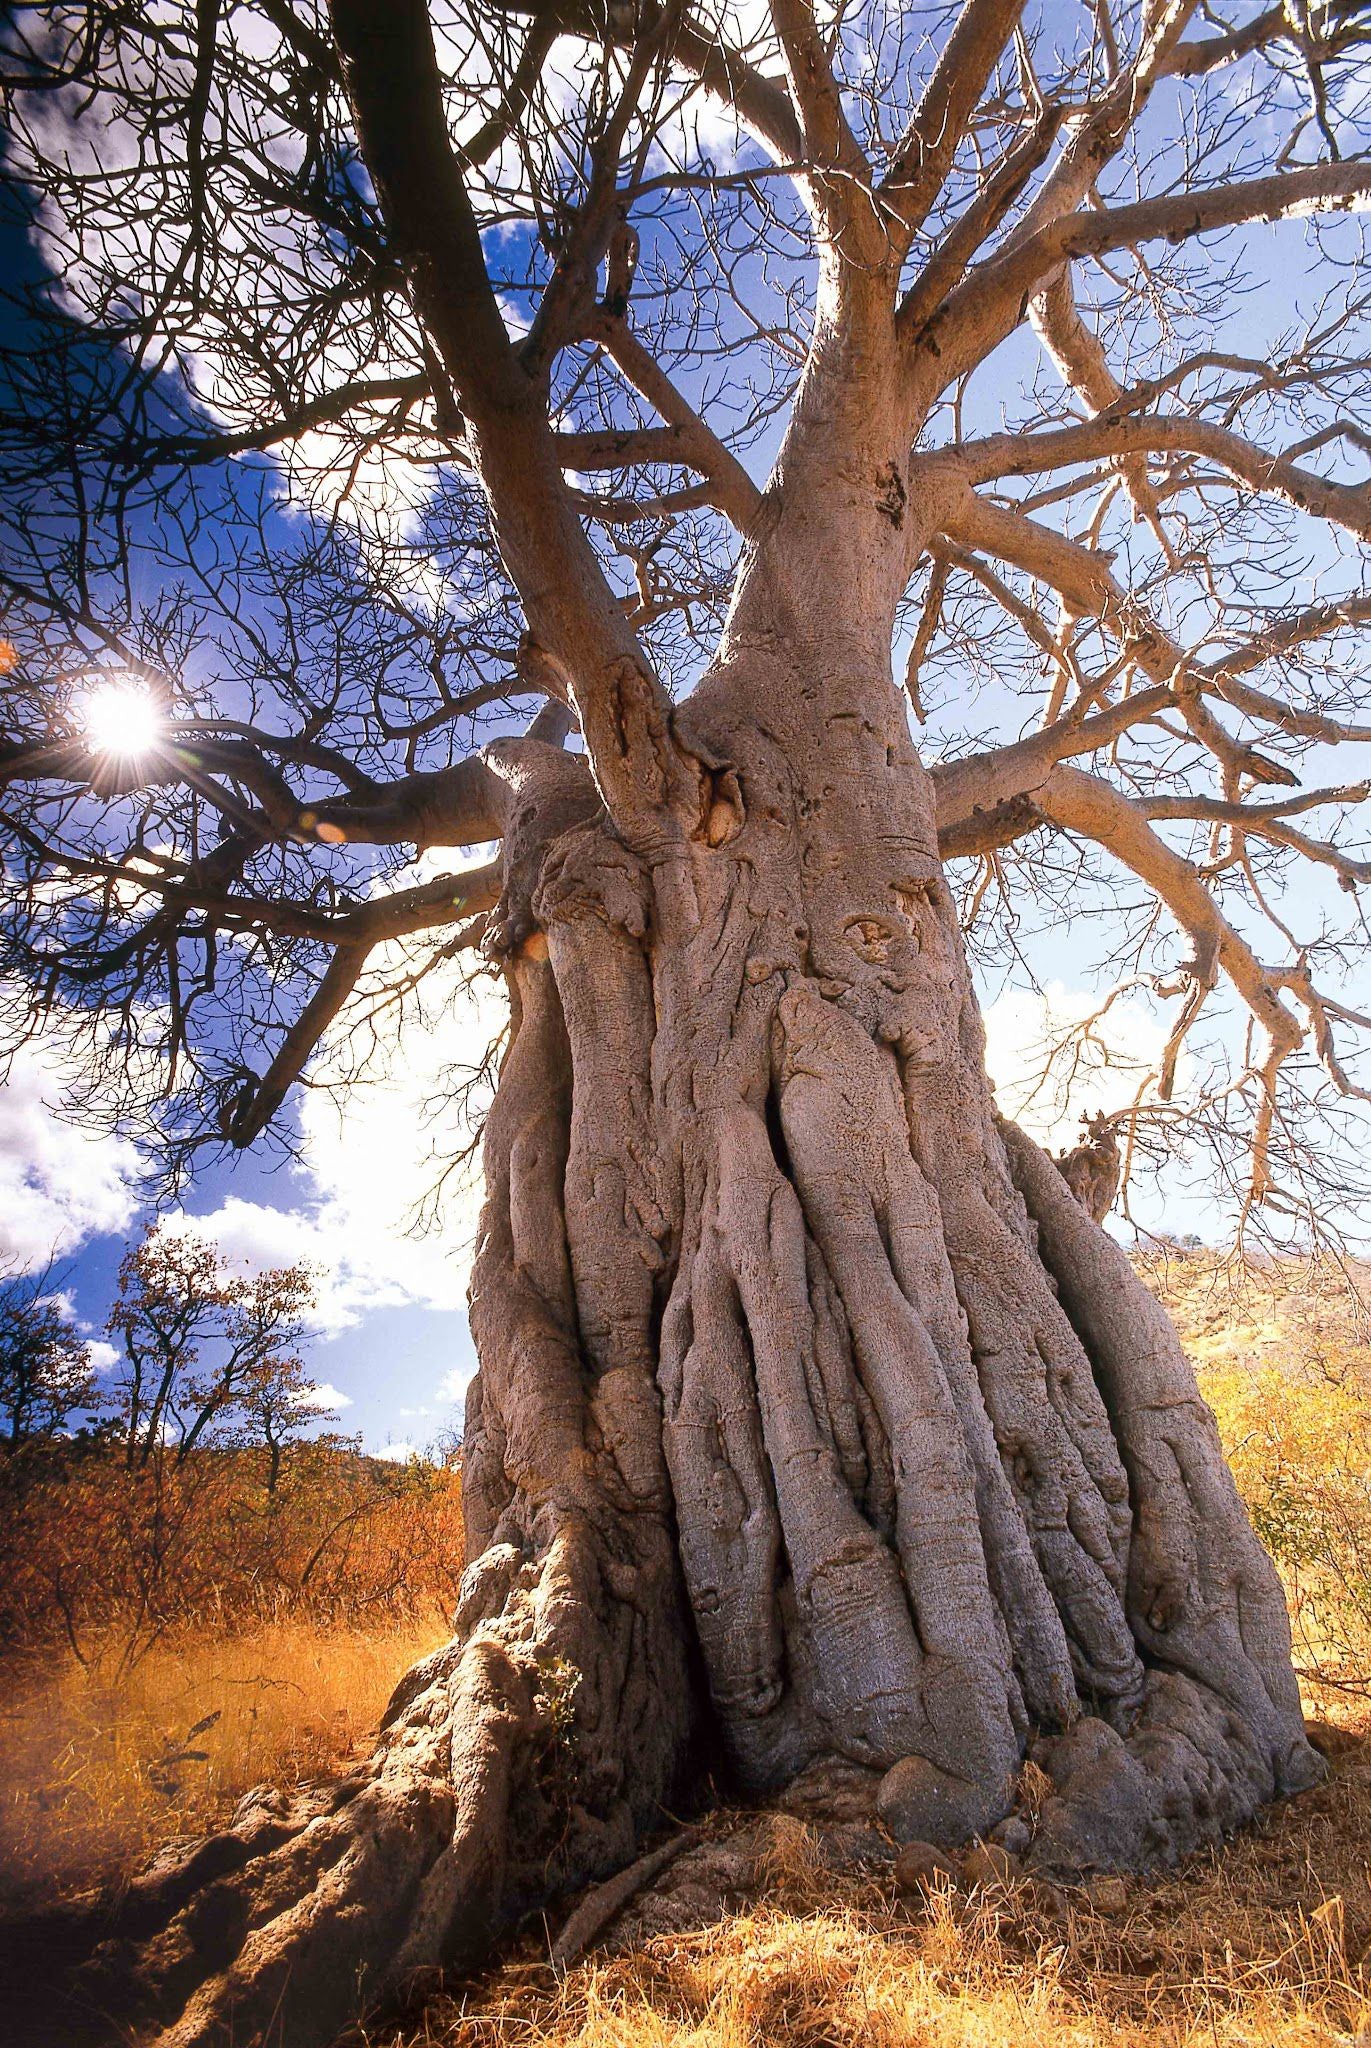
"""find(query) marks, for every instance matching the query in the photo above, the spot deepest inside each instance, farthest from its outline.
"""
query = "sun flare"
(121, 719)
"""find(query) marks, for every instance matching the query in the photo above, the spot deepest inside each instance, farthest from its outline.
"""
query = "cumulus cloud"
(1052, 1065)
(321, 1396)
(396, 1454)
(60, 1182)
(367, 1163)
(452, 1387)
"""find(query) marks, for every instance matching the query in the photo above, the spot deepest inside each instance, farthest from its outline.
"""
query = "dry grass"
(1259, 1946)
(97, 1775)
(755, 1939)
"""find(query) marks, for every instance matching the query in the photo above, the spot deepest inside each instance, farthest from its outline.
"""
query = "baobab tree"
(654, 373)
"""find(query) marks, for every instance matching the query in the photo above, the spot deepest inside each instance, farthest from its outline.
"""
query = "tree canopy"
(373, 369)
(45, 1364)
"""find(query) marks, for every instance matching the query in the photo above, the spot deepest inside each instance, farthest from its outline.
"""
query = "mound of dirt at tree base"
(793, 1923)
(824, 1842)
(1287, 1900)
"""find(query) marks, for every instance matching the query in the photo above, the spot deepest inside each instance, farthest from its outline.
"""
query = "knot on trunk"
(550, 792)
(587, 872)
(1091, 1169)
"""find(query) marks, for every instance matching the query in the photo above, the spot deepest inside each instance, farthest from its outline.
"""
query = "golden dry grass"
(96, 1775)
(1257, 1946)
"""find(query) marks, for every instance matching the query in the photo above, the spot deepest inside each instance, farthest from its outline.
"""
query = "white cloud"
(352, 1275)
(60, 1182)
(368, 1163)
(452, 1387)
(396, 1454)
(1098, 1068)
(103, 1357)
(322, 1395)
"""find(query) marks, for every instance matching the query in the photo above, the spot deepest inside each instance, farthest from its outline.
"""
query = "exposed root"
(600, 1905)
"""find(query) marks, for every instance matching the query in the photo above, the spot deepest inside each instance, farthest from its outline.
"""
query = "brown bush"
(1282, 1353)
(104, 1559)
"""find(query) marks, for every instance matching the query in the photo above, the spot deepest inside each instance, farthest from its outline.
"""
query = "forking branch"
(593, 439)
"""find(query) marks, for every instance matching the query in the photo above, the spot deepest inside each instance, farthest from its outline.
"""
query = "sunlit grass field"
(96, 1772)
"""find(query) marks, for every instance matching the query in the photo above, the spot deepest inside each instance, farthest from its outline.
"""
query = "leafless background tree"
(651, 378)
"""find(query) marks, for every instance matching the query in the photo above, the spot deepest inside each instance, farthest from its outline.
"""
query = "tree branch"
(1084, 367)
(1084, 805)
(457, 806)
(999, 455)
(257, 1103)
(733, 490)
(649, 784)
(1275, 24)
(947, 266)
(979, 785)
(1085, 580)
(836, 177)
(762, 103)
(1007, 281)
(924, 157)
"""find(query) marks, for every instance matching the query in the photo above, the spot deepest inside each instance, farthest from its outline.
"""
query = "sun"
(121, 719)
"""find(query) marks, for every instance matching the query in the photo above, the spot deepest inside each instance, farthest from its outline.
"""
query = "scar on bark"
(891, 495)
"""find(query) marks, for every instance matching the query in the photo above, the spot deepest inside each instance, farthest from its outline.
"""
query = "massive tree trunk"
(816, 1419)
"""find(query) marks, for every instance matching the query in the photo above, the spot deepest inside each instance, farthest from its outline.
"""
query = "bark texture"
(816, 1419)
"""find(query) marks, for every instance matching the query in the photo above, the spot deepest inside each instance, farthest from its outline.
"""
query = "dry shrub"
(1282, 1352)
(97, 1774)
(1033, 1789)
(176, 1637)
(788, 1866)
(103, 1559)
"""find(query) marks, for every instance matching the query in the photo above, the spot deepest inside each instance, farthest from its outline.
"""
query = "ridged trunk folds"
(815, 1421)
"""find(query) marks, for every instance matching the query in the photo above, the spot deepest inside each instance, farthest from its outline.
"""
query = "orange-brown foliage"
(177, 1634)
(105, 1559)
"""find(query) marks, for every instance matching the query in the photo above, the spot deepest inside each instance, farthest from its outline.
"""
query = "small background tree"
(45, 1365)
(207, 1353)
(207, 1492)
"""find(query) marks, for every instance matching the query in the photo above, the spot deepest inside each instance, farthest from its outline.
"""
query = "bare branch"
(1028, 454)
(762, 103)
(920, 165)
(388, 57)
(1084, 578)
(1007, 281)
(1083, 804)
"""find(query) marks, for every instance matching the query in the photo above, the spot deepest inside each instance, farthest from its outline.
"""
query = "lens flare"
(121, 719)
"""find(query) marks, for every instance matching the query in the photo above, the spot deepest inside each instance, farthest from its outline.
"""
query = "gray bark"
(816, 1419)
(818, 1427)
